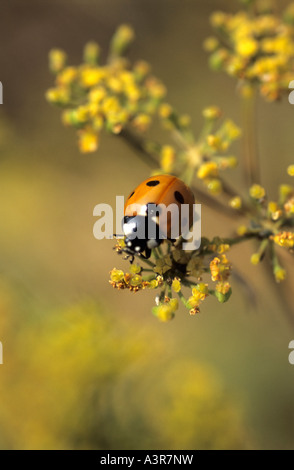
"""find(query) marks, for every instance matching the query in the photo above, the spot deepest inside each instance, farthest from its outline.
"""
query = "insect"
(156, 191)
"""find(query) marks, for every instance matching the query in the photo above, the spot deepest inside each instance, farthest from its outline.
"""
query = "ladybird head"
(135, 229)
(132, 226)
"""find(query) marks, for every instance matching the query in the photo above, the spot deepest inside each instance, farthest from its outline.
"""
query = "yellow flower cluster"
(273, 220)
(133, 280)
(206, 156)
(220, 270)
(217, 246)
(172, 270)
(104, 96)
(255, 49)
(272, 211)
(213, 148)
(284, 239)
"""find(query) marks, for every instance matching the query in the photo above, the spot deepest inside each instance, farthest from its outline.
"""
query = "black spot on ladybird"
(152, 183)
(179, 197)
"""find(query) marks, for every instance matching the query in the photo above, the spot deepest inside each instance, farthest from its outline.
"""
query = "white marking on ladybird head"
(129, 228)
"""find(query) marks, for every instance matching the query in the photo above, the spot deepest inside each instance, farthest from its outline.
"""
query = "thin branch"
(251, 159)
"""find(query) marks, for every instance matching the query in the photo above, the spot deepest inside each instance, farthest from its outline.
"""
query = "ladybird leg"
(129, 255)
(148, 253)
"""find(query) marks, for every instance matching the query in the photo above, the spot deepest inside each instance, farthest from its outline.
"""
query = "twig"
(251, 161)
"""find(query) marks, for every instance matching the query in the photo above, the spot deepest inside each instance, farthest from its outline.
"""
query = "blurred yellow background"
(86, 366)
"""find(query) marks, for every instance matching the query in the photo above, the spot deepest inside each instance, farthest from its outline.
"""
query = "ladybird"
(154, 191)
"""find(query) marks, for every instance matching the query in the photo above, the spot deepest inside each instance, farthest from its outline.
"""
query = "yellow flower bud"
(141, 69)
(163, 312)
(280, 274)
(88, 140)
(214, 186)
(230, 129)
(223, 248)
(174, 304)
(91, 53)
(285, 192)
(257, 192)
(215, 142)
(135, 269)
(223, 287)
(122, 38)
(142, 122)
(67, 76)
(247, 47)
(289, 206)
(116, 275)
(218, 18)
(136, 280)
(167, 158)
(255, 259)
(97, 94)
(184, 120)
(57, 60)
(211, 44)
(274, 210)
(202, 288)
(241, 230)
(59, 95)
(115, 84)
(153, 284)
(97, 123)
(236, 202)
(211, 113)
(290, 170)
(209, 169)
(176, 285)
(155, 88)
(272, 207)
(82, 113)
(91, 76)
(193, 302)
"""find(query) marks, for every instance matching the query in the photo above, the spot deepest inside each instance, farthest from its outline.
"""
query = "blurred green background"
(86, 366)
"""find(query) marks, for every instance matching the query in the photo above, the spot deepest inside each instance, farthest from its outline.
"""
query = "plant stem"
(182, 298)
(243, 238)
(251, 161)
(152, 265)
